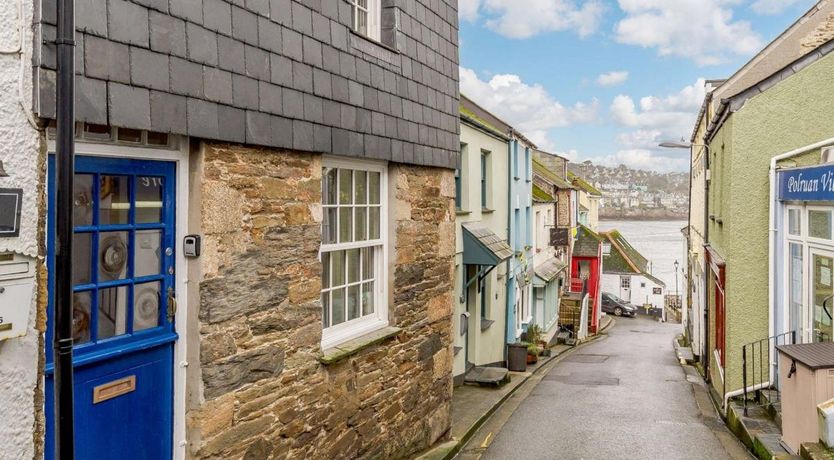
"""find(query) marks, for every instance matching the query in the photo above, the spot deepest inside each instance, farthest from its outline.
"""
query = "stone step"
(487, 376)
(815, 451)
(756, 430)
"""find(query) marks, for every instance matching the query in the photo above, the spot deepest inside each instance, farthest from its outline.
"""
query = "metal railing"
(756, 377)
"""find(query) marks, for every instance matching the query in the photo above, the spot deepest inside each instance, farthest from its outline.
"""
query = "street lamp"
(676, 280)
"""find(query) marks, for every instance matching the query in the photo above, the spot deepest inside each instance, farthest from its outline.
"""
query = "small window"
(606, 248)
(352, 250)
(459, 178)
(819, 224)
(484, 179)
(795, 222)
(366, 18)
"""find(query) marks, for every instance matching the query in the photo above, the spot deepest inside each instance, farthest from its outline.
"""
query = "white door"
(625, 288)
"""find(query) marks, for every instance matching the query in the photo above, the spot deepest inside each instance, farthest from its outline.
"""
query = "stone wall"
(262, 392)
(563, 210)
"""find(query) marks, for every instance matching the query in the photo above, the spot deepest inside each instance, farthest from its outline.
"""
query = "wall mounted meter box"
(17, 286)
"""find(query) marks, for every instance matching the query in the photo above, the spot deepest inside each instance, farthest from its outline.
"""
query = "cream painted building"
(482, 251)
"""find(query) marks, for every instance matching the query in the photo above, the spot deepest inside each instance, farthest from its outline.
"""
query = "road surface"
(622, 397)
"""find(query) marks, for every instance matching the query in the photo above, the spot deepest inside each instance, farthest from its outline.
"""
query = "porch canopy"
(481, 246)
(548, 269)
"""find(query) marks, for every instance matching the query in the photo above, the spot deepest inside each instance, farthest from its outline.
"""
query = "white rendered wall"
(21, 160)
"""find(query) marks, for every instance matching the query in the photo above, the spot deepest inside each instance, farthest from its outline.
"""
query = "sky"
(607, 80)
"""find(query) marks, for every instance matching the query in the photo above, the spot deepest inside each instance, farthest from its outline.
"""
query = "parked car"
(617, 306)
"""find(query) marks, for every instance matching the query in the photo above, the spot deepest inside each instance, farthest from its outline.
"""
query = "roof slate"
(581, 183)
(624, 258)
(587, 242)
(489, 240)
(541, 196)
(548, 269)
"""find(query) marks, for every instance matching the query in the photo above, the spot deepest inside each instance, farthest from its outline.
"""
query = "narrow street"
(624, 396)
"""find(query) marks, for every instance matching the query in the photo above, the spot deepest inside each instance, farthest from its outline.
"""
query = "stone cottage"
(264, 236)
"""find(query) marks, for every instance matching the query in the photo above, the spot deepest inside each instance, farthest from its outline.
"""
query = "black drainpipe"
(65, 143)
(707, 270)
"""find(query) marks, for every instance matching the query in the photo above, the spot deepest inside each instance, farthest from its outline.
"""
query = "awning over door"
(481, 246)
(548, 269)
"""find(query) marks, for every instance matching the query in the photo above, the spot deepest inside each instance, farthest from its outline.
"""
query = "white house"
(625, 273)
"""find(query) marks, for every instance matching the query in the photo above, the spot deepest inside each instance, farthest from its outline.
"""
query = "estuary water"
(661, 242)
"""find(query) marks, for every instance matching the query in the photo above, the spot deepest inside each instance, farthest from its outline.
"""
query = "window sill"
(352, 347)
(486, 324)
(461, 212)
(375, 48)
(487, 211)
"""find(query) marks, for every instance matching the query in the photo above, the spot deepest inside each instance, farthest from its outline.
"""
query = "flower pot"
(532, 359)
(517, 357)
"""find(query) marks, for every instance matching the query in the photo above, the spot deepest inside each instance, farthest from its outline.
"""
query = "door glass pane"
(149, 199)
(82, 200)
(146, 299)
(112, 256)
(795, 289)
(82, 251)
(819, 224)
(112, 312)
(81, 302)
(794, 222)
(822, 290)
(147, 253)
(114, 200)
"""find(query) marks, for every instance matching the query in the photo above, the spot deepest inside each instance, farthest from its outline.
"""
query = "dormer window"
(366, 18)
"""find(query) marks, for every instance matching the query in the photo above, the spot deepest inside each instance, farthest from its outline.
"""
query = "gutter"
(772, 233)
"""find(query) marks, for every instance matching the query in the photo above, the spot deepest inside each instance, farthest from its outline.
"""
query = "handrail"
(748, 360)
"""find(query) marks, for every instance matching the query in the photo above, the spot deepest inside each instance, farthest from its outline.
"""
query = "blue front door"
(123, 278)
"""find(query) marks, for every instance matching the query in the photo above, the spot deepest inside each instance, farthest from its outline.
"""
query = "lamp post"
(676, 280)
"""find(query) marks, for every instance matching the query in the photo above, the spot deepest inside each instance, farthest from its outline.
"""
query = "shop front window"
(819, 224)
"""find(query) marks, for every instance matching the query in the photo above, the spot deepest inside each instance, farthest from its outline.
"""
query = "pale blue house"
(521, 274)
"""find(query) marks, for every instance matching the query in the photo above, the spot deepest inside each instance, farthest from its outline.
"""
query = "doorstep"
(756, 430)
(472, 405)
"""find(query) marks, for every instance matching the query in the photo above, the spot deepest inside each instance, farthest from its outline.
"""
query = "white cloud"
(644, 159)
(612, 78)
(529, 108)
(702, 30)
(527, 18)
(773, 7)
(672, 116)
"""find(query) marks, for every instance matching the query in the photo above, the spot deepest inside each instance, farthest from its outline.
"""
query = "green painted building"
(789, 112)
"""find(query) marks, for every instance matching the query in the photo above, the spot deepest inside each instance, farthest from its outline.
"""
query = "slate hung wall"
(264, 89)
(277, 73)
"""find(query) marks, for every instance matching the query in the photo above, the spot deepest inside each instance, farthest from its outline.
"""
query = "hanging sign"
(807, 184)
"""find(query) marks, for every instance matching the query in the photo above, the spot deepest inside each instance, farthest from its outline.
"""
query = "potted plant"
(532, 353)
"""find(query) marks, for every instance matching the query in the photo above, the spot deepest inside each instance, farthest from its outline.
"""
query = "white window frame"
(374, 11)
(348, 330)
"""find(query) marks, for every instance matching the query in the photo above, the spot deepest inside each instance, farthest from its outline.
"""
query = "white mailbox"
(17, 285)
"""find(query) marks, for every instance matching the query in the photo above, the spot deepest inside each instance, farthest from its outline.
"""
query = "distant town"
(636, 194)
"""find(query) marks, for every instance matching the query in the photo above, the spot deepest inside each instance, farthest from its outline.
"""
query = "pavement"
(622, 397)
